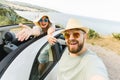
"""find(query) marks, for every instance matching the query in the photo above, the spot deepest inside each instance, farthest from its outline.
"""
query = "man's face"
(74, 40)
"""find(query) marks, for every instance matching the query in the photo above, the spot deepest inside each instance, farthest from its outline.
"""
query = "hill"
(16, 5)
(7, 11)
(9, 16)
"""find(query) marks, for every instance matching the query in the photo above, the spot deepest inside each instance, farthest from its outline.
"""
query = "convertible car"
(34, 59)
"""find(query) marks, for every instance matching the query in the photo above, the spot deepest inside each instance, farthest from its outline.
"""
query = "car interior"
(11, 43)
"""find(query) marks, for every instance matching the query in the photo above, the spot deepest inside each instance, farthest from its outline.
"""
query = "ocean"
(104, 27)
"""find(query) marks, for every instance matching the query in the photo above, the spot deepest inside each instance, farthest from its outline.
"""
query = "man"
(78, 62)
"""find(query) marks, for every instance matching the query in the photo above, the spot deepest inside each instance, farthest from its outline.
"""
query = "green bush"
(92, 34)
(4, 21)
(116, 35)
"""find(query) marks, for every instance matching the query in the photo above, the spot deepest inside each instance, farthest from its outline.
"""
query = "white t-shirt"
(82, 67)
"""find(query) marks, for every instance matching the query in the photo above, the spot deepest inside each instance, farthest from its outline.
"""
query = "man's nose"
(71, 37)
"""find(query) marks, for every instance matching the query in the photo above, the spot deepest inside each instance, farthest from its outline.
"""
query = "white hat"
(75, 24)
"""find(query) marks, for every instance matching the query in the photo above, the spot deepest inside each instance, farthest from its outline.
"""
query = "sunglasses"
(43, 20)
(75, 35)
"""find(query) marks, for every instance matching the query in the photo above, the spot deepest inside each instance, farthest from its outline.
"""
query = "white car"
(33, 60)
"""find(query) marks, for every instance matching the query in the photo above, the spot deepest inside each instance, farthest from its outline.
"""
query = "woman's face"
(43, 22)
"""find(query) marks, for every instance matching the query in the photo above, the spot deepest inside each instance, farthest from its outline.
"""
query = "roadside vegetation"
(116, 35)
(109, 42)
(8, 16)
(92, 34)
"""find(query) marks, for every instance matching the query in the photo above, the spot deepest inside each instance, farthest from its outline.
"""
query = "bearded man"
(78, 62)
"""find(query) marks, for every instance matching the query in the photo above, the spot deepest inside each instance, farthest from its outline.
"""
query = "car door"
(46, 60)
(23, 64)
(20, 66)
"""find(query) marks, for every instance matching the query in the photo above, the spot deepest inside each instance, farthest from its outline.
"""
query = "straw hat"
(36, 21)
(75, 24)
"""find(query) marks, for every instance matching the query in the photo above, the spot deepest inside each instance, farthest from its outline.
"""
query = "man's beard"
(79, 46)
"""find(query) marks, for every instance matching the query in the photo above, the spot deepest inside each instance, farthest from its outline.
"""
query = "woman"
(42, 25)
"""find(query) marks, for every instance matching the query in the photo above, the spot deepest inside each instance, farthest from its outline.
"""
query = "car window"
(45, 58)
(43, 62)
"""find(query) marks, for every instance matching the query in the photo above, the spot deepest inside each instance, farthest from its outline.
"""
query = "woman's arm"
(51, 30)
(50, 37)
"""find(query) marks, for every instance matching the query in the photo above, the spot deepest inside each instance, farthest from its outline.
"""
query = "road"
(110, 59)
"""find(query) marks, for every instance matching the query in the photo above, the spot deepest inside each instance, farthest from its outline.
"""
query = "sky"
(101, 9)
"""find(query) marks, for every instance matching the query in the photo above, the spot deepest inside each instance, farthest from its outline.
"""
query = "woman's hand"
(25, 33)
(51, 39)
